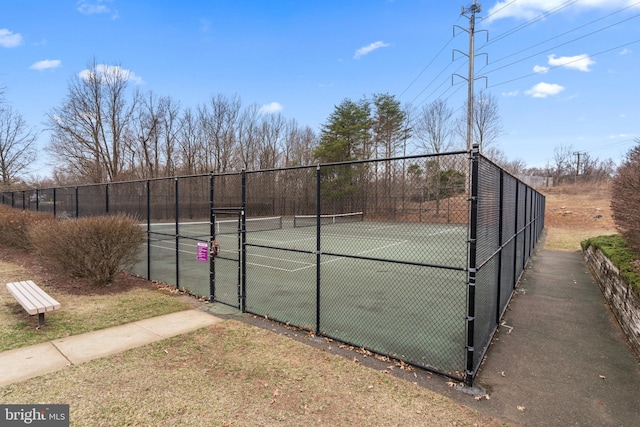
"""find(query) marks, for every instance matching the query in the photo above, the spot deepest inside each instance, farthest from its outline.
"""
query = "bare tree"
(271, 133)
(563, 161)
(171, 126)
(248, 137)
(299, 143)
(486, 123)
(496, 155)
(154, 136)
(434, 127)
(89, 129)
(219, 119)
(190, 144)
(17, 150)
(625, 197)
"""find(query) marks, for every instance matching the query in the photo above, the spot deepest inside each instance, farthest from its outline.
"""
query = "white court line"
(323, 262)
(307, 265)
(284, 242)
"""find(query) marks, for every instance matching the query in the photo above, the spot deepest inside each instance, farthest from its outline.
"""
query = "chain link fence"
(415, 258)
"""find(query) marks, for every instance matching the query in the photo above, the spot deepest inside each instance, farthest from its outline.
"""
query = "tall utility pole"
(470, 12)
(578, 154)
(475, 8)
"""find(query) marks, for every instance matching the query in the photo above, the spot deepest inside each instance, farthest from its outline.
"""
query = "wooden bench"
(33, 299)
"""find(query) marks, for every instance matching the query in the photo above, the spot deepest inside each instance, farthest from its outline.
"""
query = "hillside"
(577, 212)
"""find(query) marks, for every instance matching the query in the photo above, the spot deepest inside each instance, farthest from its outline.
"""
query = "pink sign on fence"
(202, 251)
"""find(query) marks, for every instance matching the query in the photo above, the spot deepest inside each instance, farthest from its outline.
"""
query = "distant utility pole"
(578, 154)
(470, 12)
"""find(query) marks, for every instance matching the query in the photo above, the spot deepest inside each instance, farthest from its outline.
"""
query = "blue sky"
(564, 72)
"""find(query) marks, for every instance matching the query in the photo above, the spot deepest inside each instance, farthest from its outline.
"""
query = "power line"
(557, 46)
(571, 31)
(502, 8)
(531, 21)
(557, 66)
(426, 67)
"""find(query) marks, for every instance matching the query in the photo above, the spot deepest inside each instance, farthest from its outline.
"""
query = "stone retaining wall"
(623, 300)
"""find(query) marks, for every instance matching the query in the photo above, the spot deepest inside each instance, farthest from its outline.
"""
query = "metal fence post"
(243, 243)
(515, 227)
(500, 244)
(212, 233)
(77, 204)
(148, 230)
(318, 247)
(471, 282)
(177, 214)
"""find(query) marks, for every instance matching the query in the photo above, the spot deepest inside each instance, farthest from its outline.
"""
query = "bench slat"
(33, 299)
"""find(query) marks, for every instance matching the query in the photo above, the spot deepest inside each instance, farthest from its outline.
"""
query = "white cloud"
(365, 50)
(625, 51)
(512, 93)
(622, 136)
(544, 90)
(272, 107)
(540, 69)
(111, 72)
(577, 62)
(46, 64)
(96, 7)
(528, 9)
(9, 38)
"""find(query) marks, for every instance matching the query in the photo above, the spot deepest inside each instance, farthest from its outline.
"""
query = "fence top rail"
(310, 166)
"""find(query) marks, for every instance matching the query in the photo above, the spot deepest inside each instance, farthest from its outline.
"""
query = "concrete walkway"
(28, 362)
(561, 358)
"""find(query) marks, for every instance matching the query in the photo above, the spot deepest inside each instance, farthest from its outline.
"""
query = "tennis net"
(201, 229)
(312, 220)
(252, 224)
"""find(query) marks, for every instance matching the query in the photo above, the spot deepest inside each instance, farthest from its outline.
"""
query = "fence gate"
(226, 260)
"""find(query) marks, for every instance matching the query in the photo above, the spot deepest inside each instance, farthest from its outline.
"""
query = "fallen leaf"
(520, 408)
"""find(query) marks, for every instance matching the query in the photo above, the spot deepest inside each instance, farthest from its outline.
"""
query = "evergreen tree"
(344, 137)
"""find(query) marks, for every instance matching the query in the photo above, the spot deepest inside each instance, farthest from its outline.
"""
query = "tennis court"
(415, 257)
(376, 278)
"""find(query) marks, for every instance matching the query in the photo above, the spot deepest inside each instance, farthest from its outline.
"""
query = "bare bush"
(96, 248)
(15, 224)
(625, 198)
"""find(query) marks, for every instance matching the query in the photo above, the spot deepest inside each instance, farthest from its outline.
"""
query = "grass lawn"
(231, 374)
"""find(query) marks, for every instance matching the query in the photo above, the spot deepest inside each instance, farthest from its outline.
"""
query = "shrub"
(96, 248)
(625, 198)
(620, 254)
(15, 224)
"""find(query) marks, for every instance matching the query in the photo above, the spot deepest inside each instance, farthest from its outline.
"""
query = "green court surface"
(396, 288)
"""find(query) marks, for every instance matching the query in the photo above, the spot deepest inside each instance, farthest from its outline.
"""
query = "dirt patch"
(576, 212)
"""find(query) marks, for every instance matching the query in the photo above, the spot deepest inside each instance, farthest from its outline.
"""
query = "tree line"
(107, 130)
